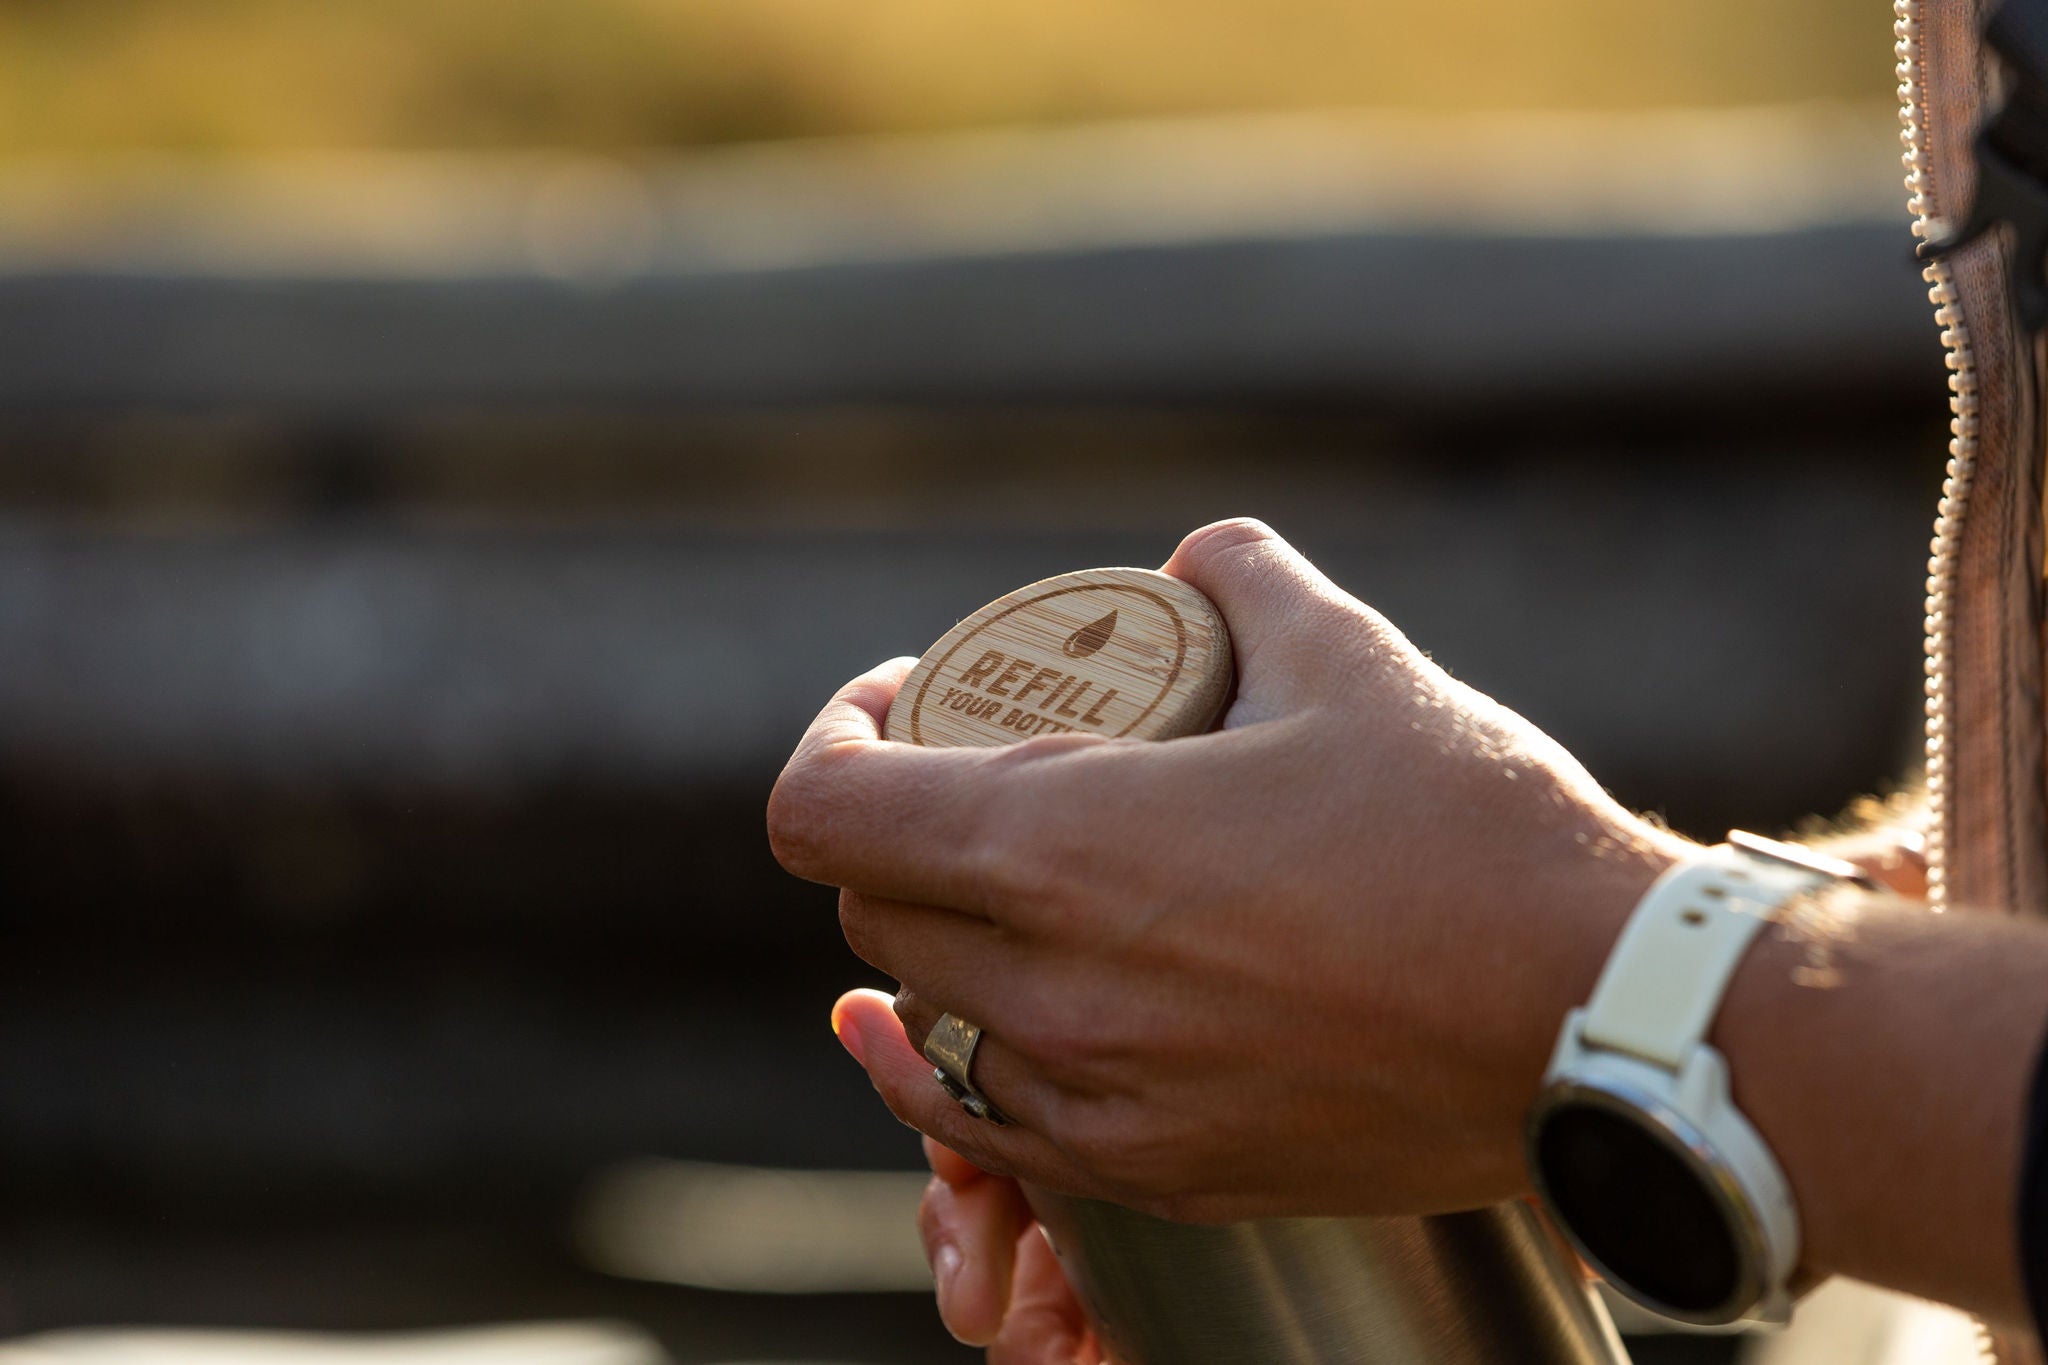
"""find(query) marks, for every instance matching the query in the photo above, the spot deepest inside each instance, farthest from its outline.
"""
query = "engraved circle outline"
(1180, 631)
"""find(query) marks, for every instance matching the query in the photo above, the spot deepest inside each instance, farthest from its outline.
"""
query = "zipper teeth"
(1945, 549)
(1962, 456)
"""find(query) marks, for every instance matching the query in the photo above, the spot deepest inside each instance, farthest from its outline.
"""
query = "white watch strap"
(1668, 971)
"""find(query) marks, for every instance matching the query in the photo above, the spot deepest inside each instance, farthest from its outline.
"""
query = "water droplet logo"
(1090, 637)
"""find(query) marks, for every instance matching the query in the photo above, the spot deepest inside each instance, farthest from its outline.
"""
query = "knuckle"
(1078, 1025)
(931, 1211)
(1107, 1150)
(856, 926)
(1095, 1149)
(917, 1017)
(805, 804)
(1007, 872)
(1165, 1206)
(1060, 1044)
(975, 1146)
(1130, 1158)
(1183, 1207)
(1026, 854)
(1004, 855)
(794, 819)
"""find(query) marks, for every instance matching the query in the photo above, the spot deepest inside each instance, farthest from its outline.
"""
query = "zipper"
(1946, 545)
(1945, 548)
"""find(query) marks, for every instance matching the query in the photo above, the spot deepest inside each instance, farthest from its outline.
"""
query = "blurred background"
(449, 448)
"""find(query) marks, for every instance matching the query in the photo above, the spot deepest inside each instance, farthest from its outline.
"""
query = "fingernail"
(945, 1270)
(848, 1030)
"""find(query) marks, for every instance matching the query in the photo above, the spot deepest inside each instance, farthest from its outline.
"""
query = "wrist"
(1586, 899)
(1604, 890)
(1638, 1144)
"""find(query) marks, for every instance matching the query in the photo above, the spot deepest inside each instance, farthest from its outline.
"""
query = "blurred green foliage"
(234, 75)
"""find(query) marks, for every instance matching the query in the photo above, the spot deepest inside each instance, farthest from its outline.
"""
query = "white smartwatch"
(1637, 1151)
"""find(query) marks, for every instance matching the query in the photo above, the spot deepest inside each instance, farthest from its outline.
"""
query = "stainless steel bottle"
(1489, 1287)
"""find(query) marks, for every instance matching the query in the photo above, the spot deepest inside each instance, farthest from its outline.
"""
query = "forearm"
(1887, 1057)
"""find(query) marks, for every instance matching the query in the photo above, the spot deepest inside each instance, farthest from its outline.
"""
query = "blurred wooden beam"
(1396, 321)
(1414, 264)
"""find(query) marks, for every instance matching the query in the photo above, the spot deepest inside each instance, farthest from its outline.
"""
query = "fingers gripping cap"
(1116, 652)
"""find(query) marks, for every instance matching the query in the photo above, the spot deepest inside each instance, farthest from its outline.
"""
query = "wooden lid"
(1118, 652)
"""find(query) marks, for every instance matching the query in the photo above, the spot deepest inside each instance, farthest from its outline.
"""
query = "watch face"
(1644, 1207)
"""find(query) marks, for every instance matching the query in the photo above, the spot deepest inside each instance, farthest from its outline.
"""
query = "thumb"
(1284, 615)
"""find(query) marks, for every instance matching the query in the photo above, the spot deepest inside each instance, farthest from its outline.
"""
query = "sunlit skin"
(1315, 964)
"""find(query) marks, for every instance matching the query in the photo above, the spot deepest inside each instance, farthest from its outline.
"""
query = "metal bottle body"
(1488, 1287)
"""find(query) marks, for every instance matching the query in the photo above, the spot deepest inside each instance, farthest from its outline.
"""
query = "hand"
(998, 1283)
(1312, 963)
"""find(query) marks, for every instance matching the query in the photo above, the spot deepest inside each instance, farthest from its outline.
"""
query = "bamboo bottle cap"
(1117, 652)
